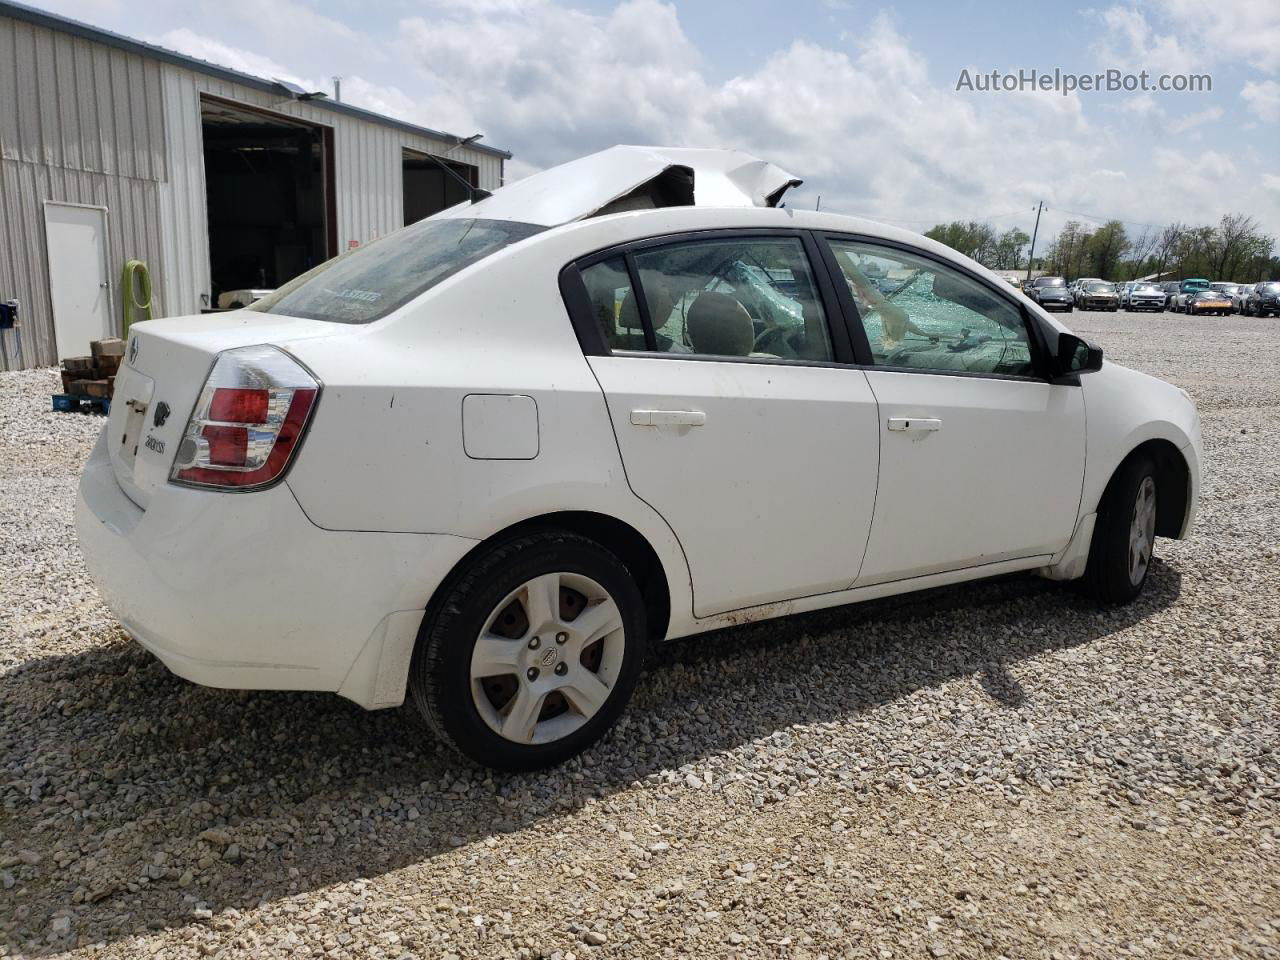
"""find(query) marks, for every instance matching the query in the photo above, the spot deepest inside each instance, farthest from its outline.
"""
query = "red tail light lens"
(239, 405)
(248, 421)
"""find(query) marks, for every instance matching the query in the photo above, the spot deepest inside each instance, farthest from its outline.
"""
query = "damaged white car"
(493, 457)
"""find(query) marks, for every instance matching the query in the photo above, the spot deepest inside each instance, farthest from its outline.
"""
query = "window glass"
(747, 297)
(369, 282)
(918, 313)
(613, 304)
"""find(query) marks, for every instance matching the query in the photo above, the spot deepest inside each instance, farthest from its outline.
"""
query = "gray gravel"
(997, 769)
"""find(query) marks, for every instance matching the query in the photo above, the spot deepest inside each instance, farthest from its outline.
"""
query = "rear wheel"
(1124, 535)
(533, 652)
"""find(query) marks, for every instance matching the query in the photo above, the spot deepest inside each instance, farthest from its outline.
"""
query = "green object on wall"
(135, 274)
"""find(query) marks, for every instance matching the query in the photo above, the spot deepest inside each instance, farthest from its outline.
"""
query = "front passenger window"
(920, 314)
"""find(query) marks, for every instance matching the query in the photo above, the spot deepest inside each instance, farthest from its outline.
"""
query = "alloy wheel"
(547, 658)
(1142, 530)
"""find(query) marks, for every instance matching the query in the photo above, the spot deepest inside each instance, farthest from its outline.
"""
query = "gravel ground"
(997, 769)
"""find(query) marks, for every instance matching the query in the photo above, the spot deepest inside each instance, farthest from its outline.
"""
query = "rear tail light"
(248, 421)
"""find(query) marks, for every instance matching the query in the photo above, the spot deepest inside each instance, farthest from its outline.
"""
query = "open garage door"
(269, 182)
(428, 188)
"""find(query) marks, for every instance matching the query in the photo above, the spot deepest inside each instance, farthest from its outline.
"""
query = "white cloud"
(1228, 29)
(1263, 99)
(1191, 34)
(184, 40)
(1128, 41)
(1193, 120)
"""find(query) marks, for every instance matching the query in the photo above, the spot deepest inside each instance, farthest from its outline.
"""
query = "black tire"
(440, 674)
(1107, 575)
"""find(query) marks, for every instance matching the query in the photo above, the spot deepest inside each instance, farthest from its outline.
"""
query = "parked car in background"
(1185, 290)
(1098, 295)
(1241, 297)
(1207, 301)
(635, 420)
(1227, 289)
(1055, 298)
(1122, 291)
(1170, 289)
(1263, 299)
(1040, 284)
(1144, 296)
(1079, 284)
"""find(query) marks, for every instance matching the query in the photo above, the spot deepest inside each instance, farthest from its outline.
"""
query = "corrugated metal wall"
(367, 175)
(84, 122)
(80, 122)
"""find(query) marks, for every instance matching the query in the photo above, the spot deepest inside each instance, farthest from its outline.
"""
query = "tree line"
(1235, 250)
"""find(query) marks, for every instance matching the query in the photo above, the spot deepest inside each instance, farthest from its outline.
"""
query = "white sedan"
(493, 457)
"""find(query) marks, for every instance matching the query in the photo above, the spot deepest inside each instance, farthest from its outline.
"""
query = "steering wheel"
(779, 341)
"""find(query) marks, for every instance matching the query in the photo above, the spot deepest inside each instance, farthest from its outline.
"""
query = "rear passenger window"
(613, 304)
(736, 297)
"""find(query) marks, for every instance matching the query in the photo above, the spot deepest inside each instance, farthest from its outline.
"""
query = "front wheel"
(532, 653)
(1124, 535)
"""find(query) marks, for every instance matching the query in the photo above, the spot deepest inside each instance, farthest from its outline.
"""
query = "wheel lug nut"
(535, 643)
(561, 669)
(561, 637)
(532, 673)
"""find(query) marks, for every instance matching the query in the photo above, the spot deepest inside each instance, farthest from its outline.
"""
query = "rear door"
(736, 412)
(981, 459)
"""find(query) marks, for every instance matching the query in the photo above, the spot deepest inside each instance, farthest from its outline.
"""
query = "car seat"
(719, 325)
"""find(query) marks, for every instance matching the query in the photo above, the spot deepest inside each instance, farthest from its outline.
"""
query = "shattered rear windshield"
(369, 282)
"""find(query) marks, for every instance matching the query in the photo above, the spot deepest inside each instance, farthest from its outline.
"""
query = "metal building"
(114, 150)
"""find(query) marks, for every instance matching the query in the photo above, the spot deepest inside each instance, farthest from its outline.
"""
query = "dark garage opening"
(428, 189)
(267, 179)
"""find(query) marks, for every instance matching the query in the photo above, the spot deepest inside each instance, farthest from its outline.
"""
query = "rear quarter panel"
(385, 451)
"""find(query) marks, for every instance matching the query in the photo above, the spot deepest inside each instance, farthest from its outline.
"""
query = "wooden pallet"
(77, 403)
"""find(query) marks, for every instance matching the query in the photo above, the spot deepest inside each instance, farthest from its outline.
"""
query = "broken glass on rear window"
(369, 282)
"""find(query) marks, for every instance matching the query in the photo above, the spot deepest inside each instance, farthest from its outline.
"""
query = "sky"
(858, 98)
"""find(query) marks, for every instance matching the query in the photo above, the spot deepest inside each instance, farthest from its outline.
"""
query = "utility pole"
(1031, 256)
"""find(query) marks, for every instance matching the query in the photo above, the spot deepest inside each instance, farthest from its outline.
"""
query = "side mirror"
(1076, 355)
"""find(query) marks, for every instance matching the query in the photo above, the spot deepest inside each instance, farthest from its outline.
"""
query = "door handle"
(914, 423)
(668, 418)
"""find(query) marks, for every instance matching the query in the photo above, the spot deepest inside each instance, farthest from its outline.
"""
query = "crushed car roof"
(633, 178)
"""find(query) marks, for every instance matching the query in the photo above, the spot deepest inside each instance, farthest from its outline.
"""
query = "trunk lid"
(632, 178)
(165, 366)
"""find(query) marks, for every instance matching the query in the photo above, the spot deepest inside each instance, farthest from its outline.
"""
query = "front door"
(981, 459)
(734, 419)
(79, 284)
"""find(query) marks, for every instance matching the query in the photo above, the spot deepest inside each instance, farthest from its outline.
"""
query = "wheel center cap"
(549, 657)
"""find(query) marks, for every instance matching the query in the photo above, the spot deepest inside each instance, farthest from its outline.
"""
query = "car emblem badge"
(161, 414)
(549, 657)
(133, 349)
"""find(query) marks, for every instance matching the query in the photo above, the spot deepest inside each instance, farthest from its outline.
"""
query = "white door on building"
(79, 284)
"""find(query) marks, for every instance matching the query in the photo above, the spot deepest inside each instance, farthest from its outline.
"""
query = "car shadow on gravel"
(130, 799)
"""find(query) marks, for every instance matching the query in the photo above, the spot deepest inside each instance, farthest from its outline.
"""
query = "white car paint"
(762, 489)
(951, 498)
(804, 531)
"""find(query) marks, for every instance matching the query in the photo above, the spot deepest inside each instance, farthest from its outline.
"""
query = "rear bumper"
(243, 591)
